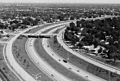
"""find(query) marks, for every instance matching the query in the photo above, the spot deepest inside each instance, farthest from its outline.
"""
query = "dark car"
(65, 61)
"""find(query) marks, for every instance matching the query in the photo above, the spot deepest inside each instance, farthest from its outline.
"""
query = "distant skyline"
(62, 1)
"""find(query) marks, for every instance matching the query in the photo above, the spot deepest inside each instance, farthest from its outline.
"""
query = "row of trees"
(48, 15)
(18, 23)
(104, 33)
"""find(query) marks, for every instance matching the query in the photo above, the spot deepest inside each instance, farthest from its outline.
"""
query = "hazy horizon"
(64, 1)
(62, 5)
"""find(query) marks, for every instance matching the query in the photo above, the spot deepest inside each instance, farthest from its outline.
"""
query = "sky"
(61, 1)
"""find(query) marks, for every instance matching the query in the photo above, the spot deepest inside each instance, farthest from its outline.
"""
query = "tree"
(78, 23)
(80, 44)
(2, 26)
(115, 56)
(100, 50)
(72, 25)
(72, 18)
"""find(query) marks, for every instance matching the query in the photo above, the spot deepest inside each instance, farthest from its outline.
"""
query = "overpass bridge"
(38, 35)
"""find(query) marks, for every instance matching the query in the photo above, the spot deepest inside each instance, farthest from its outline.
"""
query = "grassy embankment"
(5, 73)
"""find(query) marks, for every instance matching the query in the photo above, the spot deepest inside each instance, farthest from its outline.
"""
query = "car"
(48, 46)
(65, 61)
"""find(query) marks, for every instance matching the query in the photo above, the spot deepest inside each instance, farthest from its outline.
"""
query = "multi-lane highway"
(43, 65)
(40, 63)
(36, 58)
(12, 63)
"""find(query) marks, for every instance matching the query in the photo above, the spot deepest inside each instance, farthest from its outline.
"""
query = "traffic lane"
(53, 28)
(38, 61)
(66, 72)
(38, 28)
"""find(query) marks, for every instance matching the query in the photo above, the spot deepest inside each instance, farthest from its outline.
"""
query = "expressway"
(85, 57)
(19, 71)
(34, 56)
(12, 63)
(74, 69)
